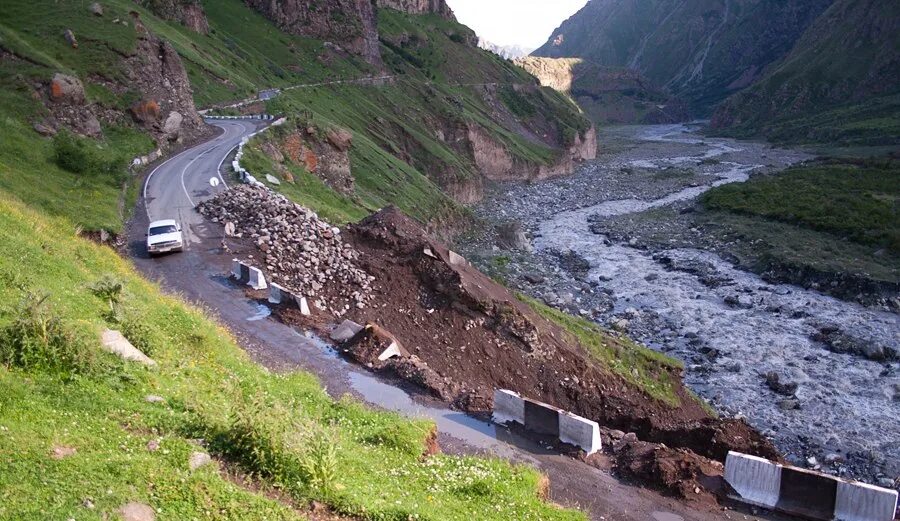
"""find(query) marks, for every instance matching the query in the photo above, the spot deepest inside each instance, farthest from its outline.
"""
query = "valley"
(593, 257)
(411, 274)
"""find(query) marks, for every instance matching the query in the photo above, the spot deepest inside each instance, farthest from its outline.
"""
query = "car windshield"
(160, 230)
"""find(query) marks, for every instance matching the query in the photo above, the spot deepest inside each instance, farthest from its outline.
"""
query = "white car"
(164, 236)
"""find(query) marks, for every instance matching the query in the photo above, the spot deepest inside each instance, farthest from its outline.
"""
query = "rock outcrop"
(351, 24)
(438, 7)
(494, 161)
(166, 108)
(323, 153)
(187, 12)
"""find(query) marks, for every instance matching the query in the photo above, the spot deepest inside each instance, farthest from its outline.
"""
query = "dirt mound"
(468, 335)
(679, 471)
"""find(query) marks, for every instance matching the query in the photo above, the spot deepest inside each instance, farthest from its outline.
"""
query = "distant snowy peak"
(510, 52)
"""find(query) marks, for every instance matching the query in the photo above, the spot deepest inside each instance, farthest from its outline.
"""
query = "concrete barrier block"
(863, 502)
(345, 331)
(236, 269)
(508, 407)
(257, 279)
(304, 306)
(542, 418)
(393, 350)
(756, 480)
(578, 431)
(276, 294)
(456, 259)
(807, 493)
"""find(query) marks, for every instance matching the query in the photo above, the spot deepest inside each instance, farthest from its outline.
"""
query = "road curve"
(174, 188)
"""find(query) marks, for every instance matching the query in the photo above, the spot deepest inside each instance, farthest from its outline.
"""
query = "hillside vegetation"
(416, 136)
(855, 201)
(78, 439)
(839, 85)
(701, 51)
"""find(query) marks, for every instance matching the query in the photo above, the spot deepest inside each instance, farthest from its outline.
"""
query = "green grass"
(266, 424)
(646, 369)
(852, 200)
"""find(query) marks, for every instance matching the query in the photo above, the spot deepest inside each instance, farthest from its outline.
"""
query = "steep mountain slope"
(608, 95)
(839, 84)
(701, 51)
(449, 117)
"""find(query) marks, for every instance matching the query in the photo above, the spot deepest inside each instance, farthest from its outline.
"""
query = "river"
(845, 414)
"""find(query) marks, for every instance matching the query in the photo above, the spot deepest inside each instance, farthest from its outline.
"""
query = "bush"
(38, 339)
(81, 156)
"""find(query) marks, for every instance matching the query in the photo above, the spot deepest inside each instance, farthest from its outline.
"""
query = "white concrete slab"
(257, 279)
(578, 431)
(114, 342)
(345, 331)
(756, 480)
(508, 407)
(863, 502)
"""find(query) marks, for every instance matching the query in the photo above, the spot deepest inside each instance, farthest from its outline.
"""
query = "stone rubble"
(299, 251)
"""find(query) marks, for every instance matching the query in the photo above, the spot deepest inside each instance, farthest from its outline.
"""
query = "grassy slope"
(27, 168)
(839, 85)
(264, 423)
(856, 202)
(643, 367)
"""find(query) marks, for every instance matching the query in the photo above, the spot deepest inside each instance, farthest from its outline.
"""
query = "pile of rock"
(300, 251)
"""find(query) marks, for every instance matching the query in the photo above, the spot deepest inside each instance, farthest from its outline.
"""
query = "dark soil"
(468, 336)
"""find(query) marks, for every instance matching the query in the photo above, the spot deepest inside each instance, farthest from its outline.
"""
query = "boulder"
(199, 459)
(70, 38)
(66, 89)
(339, 138)
(137, 512)
(96, 9)
(511, 236)
(173, 123)
(115, 343)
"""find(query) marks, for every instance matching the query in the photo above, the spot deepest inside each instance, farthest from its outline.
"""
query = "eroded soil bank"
(753, 349)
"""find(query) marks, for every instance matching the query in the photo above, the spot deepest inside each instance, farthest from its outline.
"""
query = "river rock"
(511, 236)
(775, 382)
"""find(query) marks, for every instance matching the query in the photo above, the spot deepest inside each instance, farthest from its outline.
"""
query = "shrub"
(38, 339)
(81, 156)
(110, 290)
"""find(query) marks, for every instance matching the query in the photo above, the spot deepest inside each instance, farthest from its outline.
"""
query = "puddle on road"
(262, 311)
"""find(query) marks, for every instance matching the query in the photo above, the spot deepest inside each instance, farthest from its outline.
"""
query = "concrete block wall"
(805, 493)
(546, 419)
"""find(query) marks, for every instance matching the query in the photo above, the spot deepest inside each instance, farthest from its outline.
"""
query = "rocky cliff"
(187, 12)
(839, 83)
(152, 75)
(701, 51)
(350, 24)
(608, 95)
(438, 7)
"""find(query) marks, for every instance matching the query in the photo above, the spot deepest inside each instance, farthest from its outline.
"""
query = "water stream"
(846, 404)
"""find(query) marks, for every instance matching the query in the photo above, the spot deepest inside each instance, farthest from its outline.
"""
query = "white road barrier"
(812, 495)
(757, 480)
(546, 419)
(257, 279)
(862, 502)
(508, 407)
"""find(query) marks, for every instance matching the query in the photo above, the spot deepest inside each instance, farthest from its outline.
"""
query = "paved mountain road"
(199, 275)
(174, 188)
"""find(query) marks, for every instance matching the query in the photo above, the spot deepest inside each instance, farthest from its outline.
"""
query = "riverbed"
(747, 344)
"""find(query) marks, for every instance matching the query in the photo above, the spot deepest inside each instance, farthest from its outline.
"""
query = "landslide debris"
(299, 251)
(468, 335)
